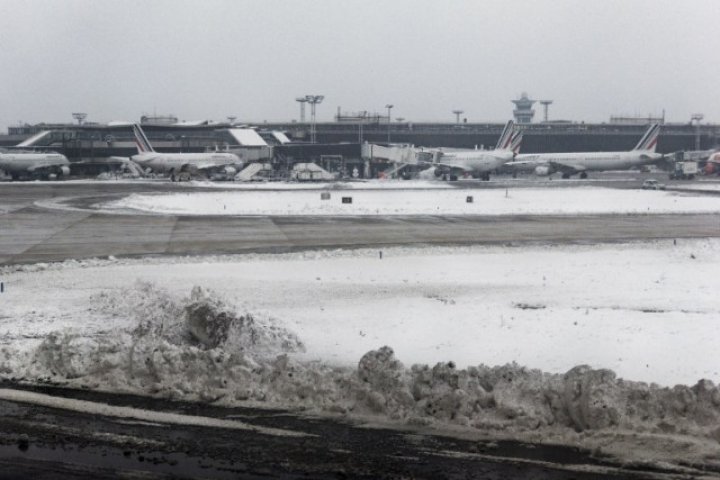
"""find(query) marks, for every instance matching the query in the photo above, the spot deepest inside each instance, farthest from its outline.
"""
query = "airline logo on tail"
(506, 137)
(141, 141)
(516, 141)
(649, 141)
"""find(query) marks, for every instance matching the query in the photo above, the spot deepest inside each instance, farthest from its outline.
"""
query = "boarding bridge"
(393, 153)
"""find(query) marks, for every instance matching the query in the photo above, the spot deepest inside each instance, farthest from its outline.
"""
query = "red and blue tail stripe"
(648, 142)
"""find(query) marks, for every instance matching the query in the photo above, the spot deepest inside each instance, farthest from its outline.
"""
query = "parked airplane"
(48, 165)
(582, 162)
(712, 165)
(478, 163)
(181, 166)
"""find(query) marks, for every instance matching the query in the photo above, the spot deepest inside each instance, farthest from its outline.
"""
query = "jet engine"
(543, 170)
(229, 170)
(65, 170)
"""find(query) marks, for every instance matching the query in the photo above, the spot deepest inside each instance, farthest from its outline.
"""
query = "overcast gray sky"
(209, 59)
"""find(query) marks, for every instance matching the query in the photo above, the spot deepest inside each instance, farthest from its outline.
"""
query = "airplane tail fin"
(141, 141)
(648, 142)
(506, 137)
(516, 141)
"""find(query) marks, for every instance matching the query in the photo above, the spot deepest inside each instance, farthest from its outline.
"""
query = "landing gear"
(565, 176)
(583, 175)
(486, 176)
(179, 176)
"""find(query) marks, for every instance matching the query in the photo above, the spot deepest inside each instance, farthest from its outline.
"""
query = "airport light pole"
(80, 117)
(697, 117)
(313, 100)
(389, 106)
(302, 101)
(361, 120)
(545, 104)
(457, 115)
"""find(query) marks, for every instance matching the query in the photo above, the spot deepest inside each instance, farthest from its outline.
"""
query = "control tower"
(523, 112)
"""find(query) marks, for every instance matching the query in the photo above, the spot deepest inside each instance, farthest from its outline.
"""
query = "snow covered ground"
(306, 330)
(703, 186)
(635, 308)
(526, 201)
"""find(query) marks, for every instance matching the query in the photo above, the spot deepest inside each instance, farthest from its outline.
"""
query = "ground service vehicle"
(652, 184)
(684, 171)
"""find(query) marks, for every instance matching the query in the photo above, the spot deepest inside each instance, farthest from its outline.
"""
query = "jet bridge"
(392, 153)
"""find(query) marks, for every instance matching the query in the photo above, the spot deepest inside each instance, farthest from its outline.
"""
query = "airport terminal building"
(338, 143)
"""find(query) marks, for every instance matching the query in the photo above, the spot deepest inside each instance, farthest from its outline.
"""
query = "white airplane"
(582, 162)
(478, 163)
(181, 166)
(48, 165)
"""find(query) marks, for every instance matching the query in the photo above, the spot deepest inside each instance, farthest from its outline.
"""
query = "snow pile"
(514, 397)
(180, 347)
(200, 348)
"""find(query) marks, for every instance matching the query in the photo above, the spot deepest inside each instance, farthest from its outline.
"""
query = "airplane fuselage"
(28, 163)
(177, 162)
(590, 161)
(475, 161)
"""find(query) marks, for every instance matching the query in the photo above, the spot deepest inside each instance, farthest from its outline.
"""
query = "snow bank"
(200, 348)
(455, 201)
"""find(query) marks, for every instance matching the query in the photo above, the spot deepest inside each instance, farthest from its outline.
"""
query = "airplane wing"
(208, 165)
(44, 165)
(566, 167)
(553, 165)
(446, 166)
(525, 163)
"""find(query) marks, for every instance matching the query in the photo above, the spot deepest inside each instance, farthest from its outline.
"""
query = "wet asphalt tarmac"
(29, 233)
(48, 443)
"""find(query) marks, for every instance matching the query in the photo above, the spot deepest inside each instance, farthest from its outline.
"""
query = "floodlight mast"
(80, 117)
(697, 118)
(313, 100)
(389, 107)
(545, 104)
(302, 101)
(457, 113)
